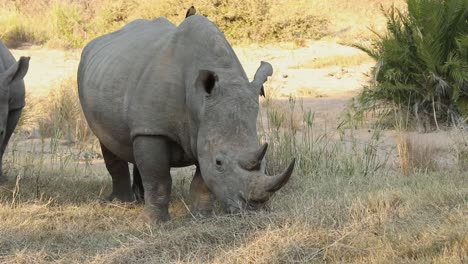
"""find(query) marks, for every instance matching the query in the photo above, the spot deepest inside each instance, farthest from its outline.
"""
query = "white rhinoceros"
(12, 96)
(161, 96)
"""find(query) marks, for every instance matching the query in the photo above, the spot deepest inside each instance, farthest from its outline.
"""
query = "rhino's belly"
(106, 120)
(116, 141)
(123, 148)
(179, 158)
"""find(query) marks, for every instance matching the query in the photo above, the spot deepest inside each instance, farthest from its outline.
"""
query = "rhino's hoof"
(203, 212)
(139, 194)
(153, 218)
(128, 198)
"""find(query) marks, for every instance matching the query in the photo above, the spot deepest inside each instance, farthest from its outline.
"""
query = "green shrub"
(422, 65)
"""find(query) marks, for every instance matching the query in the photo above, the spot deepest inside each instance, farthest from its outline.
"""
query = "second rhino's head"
(10, 78)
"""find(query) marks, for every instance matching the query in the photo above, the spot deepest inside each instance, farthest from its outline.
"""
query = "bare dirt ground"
(47, 67)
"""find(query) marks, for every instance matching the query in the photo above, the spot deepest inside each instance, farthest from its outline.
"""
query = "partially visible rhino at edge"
(159, 96)
(12, 96)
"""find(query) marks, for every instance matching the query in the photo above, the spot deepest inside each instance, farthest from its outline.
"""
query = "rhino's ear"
(261, 76)
(206, 80)
(190, 12)
(16, 72)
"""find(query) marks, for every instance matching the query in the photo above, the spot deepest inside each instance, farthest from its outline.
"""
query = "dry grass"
(63, 116)
(343, 205)
(316, 219)
(404, 154)
(57, 115)
(417, 154)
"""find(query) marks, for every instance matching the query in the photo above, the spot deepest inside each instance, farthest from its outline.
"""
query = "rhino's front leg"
(202, 198)
(153, 161)
(13, 117)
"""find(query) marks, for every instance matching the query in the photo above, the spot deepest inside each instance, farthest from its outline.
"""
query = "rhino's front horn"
(274, 183)
(254, 159)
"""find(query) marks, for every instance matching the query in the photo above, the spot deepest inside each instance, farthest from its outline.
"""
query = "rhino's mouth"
(243, 205)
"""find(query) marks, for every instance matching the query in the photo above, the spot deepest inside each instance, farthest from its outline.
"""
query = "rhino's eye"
(219, 165)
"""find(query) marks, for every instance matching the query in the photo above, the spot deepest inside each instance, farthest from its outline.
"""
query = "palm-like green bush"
(422, 65)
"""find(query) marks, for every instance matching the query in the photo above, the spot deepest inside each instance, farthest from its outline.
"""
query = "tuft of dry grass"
(404, 150)
(57, 115)
(460, 147)
(416, 154)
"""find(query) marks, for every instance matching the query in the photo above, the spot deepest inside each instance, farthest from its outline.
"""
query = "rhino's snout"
(244, 204)
(249, 187)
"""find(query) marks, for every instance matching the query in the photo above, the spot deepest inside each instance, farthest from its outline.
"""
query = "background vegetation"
(71, 23)
(422, 66)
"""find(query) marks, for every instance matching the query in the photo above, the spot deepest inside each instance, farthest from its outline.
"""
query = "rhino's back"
(17, 90)
(111, 70)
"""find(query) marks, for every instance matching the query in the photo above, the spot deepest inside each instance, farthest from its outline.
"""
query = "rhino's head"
(14, 73)
(231, 161)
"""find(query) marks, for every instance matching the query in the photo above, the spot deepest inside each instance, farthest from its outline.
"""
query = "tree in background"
(422, 68)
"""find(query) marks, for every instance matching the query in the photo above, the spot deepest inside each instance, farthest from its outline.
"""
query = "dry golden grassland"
(71, 23)
(357, 195)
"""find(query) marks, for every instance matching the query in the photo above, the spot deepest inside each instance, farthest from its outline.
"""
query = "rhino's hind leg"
(118, 169)
(137, 185)
(152, 157)
(202, 198)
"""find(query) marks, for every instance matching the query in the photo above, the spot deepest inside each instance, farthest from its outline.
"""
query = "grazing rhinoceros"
(161, 96)
(11, 95)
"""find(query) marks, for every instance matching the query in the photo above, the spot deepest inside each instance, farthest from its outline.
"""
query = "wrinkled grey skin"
(11, 96)
(161, 96)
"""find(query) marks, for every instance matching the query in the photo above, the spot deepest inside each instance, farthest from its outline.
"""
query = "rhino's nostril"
(2, 132)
